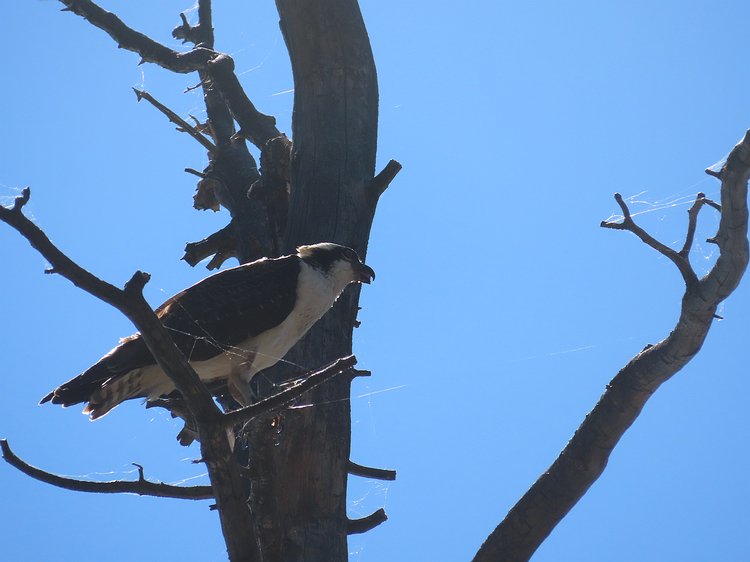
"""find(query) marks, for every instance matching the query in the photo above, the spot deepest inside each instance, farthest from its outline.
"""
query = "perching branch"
(215, 448)
(142, 487)
(182, 125)
(284, 397)
(584, 458)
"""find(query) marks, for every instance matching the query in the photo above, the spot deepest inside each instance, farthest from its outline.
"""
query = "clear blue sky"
(500, 310)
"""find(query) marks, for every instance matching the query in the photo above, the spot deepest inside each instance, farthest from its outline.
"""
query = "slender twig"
(183, 125)
(358, 526)
(682, 263)
(383, 179)
(585, 456)
(284, 397)
(142, 487)
(369, 472)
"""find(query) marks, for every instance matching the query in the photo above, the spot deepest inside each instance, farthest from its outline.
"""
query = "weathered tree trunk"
(299, 495)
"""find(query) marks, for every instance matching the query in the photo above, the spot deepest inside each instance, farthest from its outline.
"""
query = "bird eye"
(350, 254)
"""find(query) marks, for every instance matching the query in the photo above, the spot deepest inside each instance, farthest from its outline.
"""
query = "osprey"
(230, 325)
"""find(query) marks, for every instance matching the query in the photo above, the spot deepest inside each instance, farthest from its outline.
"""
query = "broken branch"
(221, 242)
(358, 526)
(382, 180)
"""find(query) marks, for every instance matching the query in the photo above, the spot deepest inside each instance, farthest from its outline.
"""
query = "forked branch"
(680, 260)
(584, 458)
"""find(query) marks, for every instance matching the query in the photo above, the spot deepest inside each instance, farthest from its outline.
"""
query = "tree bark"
(299, 495)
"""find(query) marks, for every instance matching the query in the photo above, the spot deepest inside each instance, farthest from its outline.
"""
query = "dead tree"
(322, 188)
(281, 494)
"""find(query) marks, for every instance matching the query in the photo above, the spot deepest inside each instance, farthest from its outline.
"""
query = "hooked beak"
(365, 274)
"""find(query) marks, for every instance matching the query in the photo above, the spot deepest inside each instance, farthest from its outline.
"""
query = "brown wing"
(221, 311)
(212, 316)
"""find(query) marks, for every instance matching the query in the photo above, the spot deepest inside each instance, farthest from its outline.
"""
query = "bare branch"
(380, 182)
(142, 487)
(359, 373)
(584, 458)
(60, 262)
(215, 448)
(358, 526)
(129, 301)
(628, 223)
(131, 40)
(196, 173)
(369, 472)
(255, 126)
(183, 126)
(284, 397)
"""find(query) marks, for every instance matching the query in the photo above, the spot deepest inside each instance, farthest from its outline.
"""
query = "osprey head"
(337, 261)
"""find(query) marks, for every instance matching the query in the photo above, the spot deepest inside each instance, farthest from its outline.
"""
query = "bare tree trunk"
(299, 497)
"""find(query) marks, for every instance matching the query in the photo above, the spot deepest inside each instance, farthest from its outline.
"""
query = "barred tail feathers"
(114, 392)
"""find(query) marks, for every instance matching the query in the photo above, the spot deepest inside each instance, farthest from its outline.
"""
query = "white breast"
(316, 293)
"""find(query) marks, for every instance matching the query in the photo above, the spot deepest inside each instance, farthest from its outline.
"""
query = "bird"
(230, 325)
